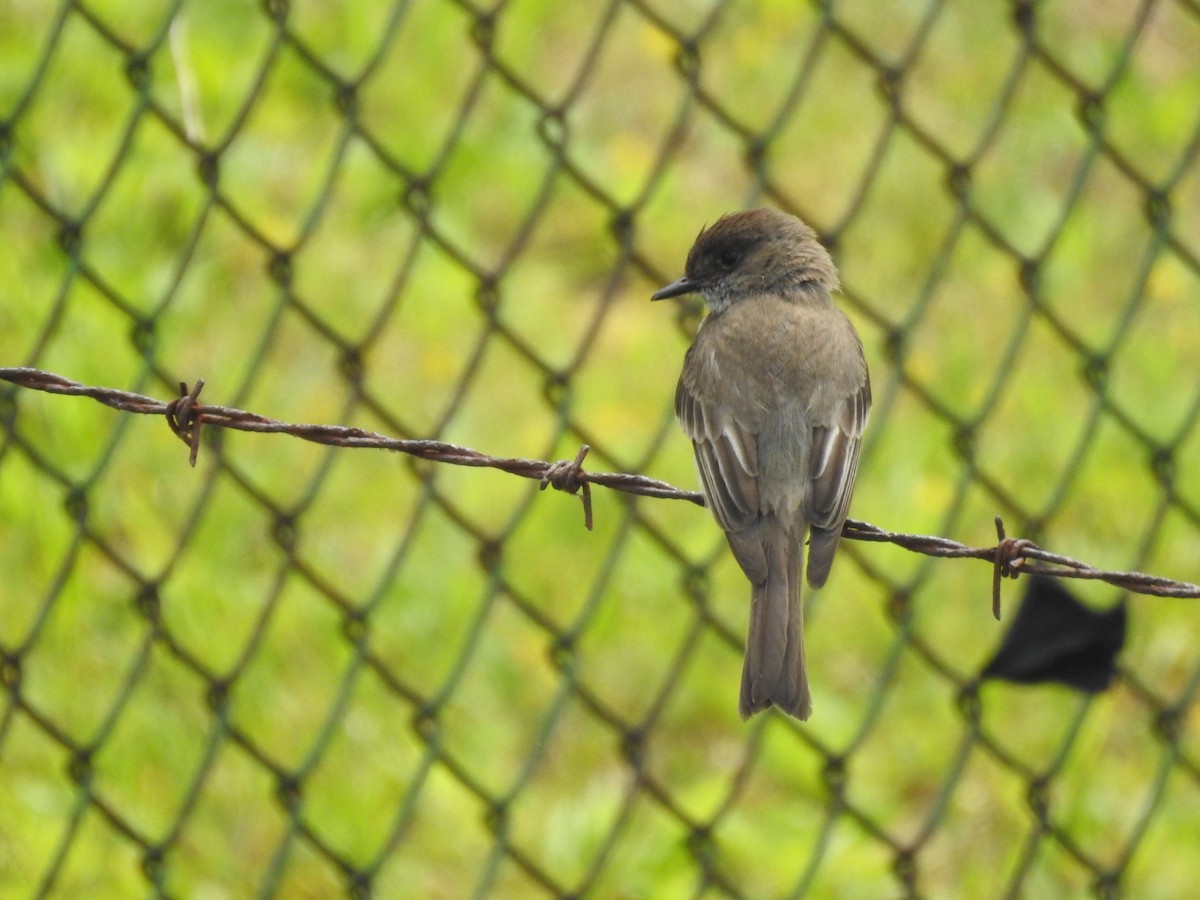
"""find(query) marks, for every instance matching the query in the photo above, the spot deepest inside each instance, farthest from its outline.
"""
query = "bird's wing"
(834, 461)
(727, 457)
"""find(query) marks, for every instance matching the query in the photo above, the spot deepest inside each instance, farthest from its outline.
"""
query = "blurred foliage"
(301, 672)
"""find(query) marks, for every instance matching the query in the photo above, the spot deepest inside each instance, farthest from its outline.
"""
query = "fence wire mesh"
(309, 671)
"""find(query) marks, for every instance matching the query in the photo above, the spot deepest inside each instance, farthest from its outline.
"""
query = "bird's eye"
(729, 259)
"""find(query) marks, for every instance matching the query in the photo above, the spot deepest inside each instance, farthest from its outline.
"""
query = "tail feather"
(773, 671)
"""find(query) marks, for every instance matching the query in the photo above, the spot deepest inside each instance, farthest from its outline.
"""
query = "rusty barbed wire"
(186, 416)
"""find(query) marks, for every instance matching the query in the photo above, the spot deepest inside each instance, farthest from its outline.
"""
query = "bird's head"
(746, 254)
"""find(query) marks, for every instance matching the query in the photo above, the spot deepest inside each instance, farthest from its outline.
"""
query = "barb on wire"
(184, 419)
(566, 476)
(186, 416)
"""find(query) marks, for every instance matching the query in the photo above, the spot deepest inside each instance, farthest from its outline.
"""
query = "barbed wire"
(186, 416)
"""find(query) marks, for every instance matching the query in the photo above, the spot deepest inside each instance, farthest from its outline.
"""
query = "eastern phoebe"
(774, 395)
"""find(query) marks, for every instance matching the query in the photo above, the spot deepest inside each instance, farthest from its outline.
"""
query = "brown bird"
(774, 395)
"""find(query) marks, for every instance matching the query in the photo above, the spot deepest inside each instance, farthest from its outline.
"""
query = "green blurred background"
(306, 672)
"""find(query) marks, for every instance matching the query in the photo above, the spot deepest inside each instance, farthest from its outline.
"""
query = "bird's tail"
(773, 672)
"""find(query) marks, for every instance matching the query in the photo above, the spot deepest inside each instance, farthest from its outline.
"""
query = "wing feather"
(727, 457)
(834, 462)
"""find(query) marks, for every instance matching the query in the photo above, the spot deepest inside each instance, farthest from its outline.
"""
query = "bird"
(775, 396)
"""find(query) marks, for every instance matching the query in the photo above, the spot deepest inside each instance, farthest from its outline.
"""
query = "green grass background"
(513, 318)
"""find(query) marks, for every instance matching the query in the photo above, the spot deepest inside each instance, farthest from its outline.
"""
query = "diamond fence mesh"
(309, 671)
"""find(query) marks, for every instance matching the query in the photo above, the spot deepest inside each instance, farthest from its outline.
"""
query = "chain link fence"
(305, 671)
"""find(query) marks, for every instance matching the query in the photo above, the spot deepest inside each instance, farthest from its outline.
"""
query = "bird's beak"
(675, 289)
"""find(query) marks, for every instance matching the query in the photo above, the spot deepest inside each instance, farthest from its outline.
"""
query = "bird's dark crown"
(757, 251)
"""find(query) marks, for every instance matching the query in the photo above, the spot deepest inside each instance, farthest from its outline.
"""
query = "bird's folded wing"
(834, 461)
(727, 457)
